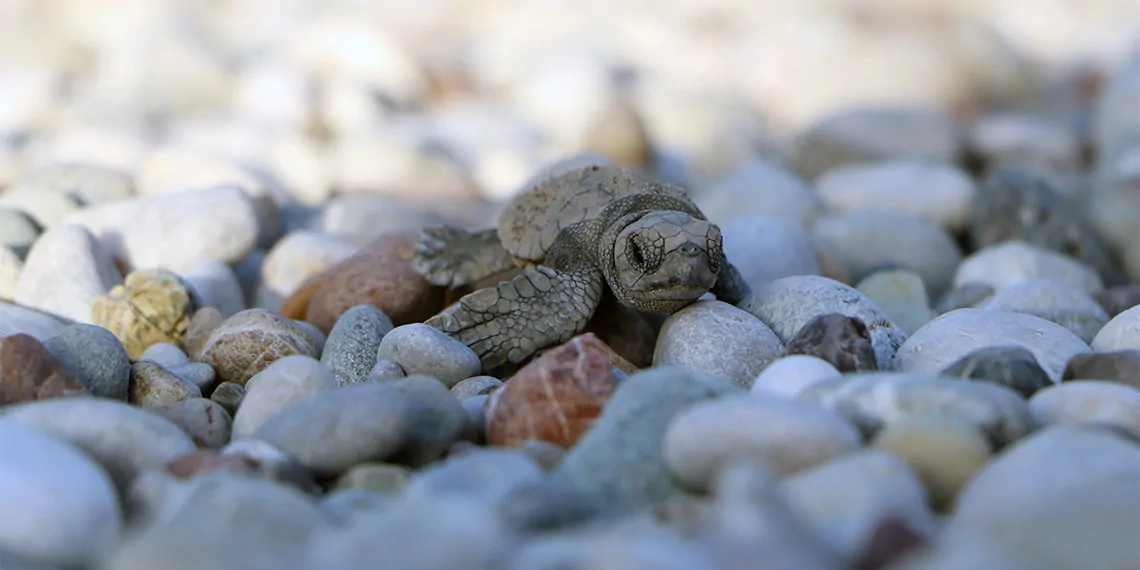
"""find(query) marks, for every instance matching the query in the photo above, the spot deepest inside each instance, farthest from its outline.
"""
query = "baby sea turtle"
(576, 234)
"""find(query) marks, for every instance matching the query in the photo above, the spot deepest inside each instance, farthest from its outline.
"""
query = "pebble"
(489, 474)
(271, 463)
(475, 386)
(764, 249)
(281, 385)
(717, 338)
(737, 195)
(351, 348)
(964, 296)
(230, 396)
(872, 401)
(379, 478)
(125, 440)
(1121, 366)
(845, 499)
(1089, 402)
(936, 192)
(163, 231)
(216, 284)
(77, 519)
(295, 258)
(787, 435)
(944, 450)
(422, 349)
(314, 333)
(841, 340)
(1033, 497)
(28, 371)
(953, 335)
(203, 324)
(250, 341)
(18, 319)
(787, 304)
(1013, 366)
(866, 240)
(206, 422)
(65, 272)
(197, 373)
(10, 268)
(901, 295)
(94, 357)
(18, 231)
(91, 184)
(619, 466)
(153, 385)
(151, 306)
(1116, 300)
(1021, 139)
(1012, 261)
(362, 218)
(789, 376)
(166, 354)
(1052, 301)
(46, 208)
(386, 370)
(379, 274)
(555, 398)
(1120, 333)
(439, 420)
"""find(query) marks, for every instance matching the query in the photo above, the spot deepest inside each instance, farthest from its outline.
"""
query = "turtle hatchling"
(575, 234)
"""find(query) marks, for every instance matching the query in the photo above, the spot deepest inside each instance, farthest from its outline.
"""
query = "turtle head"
(664, 260)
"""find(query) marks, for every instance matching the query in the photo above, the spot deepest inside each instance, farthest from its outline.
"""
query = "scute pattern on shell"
(532, 221)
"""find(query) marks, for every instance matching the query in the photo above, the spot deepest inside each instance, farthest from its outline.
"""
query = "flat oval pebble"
(872, 401)
(154, 385)
(65, 272)
(788, 435)
(72, 512)
(93, 356)
(216, 285)
(206, 422)
(199, 374)
(282, 384)
(957, 333)
(788, 376)
(764, 248)
(717, 338)
(421, 349)
(1012, 366)
(125, 440)
(1052, 301)
(937, 192)
(1089, 402)
(839, 339)
(380, 478)
(1121, 333)
(166, 354)
(351, 348)
(250, 341)
(787, 304)
(1012, 261)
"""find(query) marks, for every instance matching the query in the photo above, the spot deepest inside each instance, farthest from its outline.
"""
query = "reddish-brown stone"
(556, 398)
(210, 461)
(380, 274)
(29, 372)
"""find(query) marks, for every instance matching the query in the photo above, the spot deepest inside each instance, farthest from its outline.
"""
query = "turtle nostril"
(690, 249)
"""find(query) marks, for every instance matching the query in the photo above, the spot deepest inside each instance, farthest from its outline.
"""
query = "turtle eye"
(635, 253)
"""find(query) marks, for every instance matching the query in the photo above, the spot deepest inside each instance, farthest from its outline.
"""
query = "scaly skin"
(452, 257)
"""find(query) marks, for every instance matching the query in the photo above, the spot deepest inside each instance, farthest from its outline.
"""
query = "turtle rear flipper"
(512, 321)
(452, 257)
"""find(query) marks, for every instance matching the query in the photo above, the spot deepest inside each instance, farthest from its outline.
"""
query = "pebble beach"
(213, 349)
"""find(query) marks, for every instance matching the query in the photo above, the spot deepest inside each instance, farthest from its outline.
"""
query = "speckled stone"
(93, 356)
(250, 341)
(351, 348)
(152, 306)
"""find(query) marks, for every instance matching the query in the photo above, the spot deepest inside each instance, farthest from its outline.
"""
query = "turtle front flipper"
(515, 319)
(730, 285)
(451, 257)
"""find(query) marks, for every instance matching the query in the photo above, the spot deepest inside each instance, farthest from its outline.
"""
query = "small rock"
(94, 357)
(1013, 366)
(759, 188)
(1089, 402)
(314, 333)
(1051, 301)
(341, 507)
(936, 192)
(230, 396)
(10, 268)
(555, 398)
(361, 218)
(842, 341)
(869, 239)
(787, 304)
(901, 295)
(197, 373)
(166, 354)
(948, 338)
(1116, 300)
(764, 249)
(787, 435)
(475, 386)
(153, 385)
(1009, 139)
(282, 384)
(351, 349)
(250, 341)
(717, 338)
(1012, 261)
(203, 324)
(386, 370)
(65, 272)
(271, 463)
(297, 257)
(208, 461)
(77, 515)
(892, 539)
(153, 306)
(17, 319)
(18, 231)
(216, 284)
(964, 296)
(943, 449)
(47, 209)
(380, 274)
(545, 454)
(791, 375)
(476, 408)
(206, 422)
(1121, 366)
(380, 478)
(422, 349)
(91, 184)
(872, 401)
(489, 474)
(1120, 333)
(28, 371)
(439, 420)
